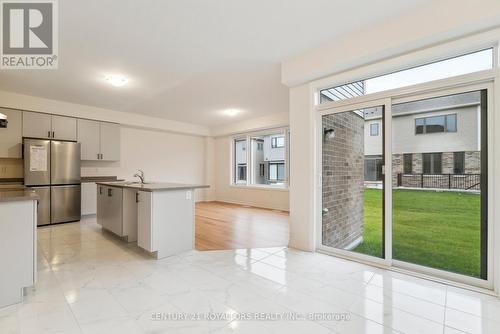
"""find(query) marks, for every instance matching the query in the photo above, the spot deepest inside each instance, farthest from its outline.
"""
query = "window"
(463, 64)
(436, 124)
(408, 163)
(276, 171)
(459, 163)
(374, 129)
(264, 163)
(277, 142)
(432, 163)
(240, 161)
(262, 170)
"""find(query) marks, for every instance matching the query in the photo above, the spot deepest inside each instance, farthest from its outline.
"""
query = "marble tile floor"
(91, 282)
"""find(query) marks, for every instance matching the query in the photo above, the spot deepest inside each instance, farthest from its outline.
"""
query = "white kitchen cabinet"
(11, 137)
(63, 128)
(110, 141)
(46, 126)
(37, 125)
(117, 211)
(145, 220)
(89, 198)
(99, 140)
(89, 138)
(17, 249)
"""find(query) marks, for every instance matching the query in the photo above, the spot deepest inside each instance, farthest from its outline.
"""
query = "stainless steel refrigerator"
(52, 169)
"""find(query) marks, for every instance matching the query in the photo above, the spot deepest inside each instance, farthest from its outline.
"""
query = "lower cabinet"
(116, 211)
(145, 220)
(18, 249)
(89, 198)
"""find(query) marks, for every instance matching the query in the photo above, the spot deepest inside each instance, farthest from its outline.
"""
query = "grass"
(435, 229)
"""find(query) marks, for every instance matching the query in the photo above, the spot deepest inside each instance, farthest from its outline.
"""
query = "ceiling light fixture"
(232, 112)
(117, 81)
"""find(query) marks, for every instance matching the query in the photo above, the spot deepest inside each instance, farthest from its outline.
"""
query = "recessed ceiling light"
(231, 112)
(117, 81)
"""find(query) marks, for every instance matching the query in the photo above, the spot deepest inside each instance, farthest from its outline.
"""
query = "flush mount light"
(231, 112)
(115, 80)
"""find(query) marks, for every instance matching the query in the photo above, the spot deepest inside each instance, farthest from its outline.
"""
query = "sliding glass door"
(440, 180)
(418, 201)
(353, 181)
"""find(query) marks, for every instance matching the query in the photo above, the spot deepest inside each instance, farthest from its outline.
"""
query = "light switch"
(188, 194)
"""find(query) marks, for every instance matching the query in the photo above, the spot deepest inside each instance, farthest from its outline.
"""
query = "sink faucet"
(141, 176)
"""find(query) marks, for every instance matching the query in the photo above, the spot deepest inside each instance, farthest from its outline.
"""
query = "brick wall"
(343, 181)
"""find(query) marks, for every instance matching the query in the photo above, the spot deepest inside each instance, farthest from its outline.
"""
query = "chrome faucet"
(141, 176)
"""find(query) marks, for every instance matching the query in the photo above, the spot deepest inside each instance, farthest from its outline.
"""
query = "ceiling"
(189, 60)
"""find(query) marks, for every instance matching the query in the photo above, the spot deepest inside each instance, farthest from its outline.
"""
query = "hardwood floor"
(229, 226)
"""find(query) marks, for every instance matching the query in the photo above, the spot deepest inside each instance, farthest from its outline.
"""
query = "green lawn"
(434, 229)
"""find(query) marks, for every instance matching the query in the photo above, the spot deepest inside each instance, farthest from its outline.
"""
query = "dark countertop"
(153, 186)
(90, 179)
(17, 194)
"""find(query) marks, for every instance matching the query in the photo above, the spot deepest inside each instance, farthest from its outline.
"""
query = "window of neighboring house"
(462, 64)
(374, 129)
(436, 124)
(432, 163)
(408, 163)
(240, 161)
(277, 171)
(277, 142)
(266, 166)
(459, 163)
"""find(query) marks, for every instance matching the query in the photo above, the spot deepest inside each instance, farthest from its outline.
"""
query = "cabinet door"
(89, 199)
(145, 221)
(37, 125)
(110, 141)
(101, 205)
(63, 128)
(115, 210)
(89, 138)
(11, 137)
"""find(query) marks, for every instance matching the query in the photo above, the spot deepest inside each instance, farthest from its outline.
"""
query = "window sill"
(260, 187)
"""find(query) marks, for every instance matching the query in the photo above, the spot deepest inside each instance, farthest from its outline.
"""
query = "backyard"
(435, 229)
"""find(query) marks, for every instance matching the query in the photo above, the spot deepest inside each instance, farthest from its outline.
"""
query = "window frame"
(251, 173)
(377, 126)
(432, 167)
(425, 118)
(462, 162)
(410, 156)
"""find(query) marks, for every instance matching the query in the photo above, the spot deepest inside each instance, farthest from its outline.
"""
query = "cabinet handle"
(97, 156)
(48, 134)
(110, 192)
(137, 197)
(53, 134)
(102, 156)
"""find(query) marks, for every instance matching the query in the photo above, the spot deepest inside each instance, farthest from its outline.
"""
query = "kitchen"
(47, 151)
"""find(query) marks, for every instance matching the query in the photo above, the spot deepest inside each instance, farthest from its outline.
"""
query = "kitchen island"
(159, 216)
(18, 218)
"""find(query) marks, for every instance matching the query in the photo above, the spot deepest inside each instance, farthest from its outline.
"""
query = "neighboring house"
(268, 165)
(436, 142)
(436, 139)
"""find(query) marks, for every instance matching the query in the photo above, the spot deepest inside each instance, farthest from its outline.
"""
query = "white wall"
(166, 150)
(373, 144)
(224, 191)
(163, 156)
(392, 45)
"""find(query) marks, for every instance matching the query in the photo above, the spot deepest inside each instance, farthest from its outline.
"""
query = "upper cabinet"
(38, 125)
(110, 141)
(89, 139)
(63, 128)
(99, 140)
(11, 137)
